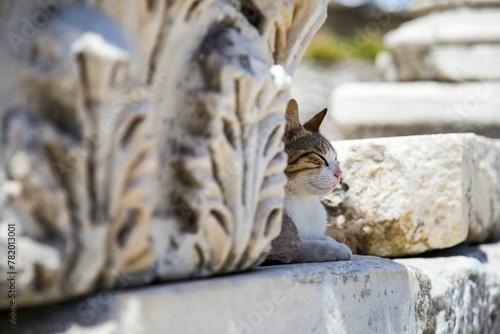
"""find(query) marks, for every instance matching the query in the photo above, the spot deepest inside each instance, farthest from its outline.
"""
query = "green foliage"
(328, 48)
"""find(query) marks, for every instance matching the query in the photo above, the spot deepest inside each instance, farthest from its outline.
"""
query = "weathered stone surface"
(463, 289)
(428, 48)
(408, 195)
(286, 247)
(483, 156)
(143, 138)
(455, 292)
(364, 110)
(421, 6)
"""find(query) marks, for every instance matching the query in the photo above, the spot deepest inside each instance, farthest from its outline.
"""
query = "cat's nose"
(338, 174)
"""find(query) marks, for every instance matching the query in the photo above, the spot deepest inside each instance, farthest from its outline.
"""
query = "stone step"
(408, 195)
(364, 110)
(313, 83)
(452, 63)
(429, 48)
(423, 6)
(456, 292)
(459, 26)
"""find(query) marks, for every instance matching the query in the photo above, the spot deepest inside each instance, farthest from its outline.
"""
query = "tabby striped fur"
(312, 172)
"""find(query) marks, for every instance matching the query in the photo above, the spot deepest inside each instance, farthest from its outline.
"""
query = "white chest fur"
(308, 214)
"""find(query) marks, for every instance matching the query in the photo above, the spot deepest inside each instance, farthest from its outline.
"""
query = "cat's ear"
(292, 117)
(314, 123)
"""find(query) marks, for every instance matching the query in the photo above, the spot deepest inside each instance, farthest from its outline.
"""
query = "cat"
(312, 172)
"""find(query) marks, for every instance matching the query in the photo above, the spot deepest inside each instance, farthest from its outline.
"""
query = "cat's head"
(312, 161)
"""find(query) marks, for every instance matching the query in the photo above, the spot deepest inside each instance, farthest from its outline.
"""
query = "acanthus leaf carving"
(156, 128)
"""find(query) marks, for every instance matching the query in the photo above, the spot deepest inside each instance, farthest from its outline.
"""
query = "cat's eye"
(324, 160)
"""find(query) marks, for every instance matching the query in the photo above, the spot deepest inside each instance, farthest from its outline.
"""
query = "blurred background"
(404, 67)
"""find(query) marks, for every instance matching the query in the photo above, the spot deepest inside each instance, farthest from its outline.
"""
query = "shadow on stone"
(471, 251)
(93, 311)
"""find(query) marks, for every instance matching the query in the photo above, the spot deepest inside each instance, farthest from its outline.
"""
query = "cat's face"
(312, 161)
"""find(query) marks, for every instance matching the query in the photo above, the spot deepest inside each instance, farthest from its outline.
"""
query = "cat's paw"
(335, 251)
(323, 250)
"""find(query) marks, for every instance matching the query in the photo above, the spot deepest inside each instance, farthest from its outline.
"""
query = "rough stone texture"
(463, 288)
(421, 6)
(483, 157)
(364, 110)
(453, 292)
(286, 247)
(143, 138)
(408, 195)
(429, 48)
